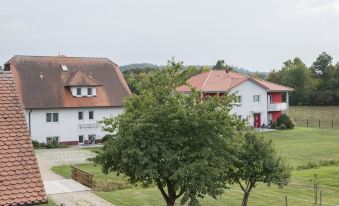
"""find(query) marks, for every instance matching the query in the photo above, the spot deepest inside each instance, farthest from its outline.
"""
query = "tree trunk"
(245, 199)
(170, 201)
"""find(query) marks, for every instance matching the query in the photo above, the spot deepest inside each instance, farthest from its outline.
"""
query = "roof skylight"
(64, 68)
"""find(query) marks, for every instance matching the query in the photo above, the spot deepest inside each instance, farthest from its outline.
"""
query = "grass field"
(50, 203)
(298, 146)
(313, 113)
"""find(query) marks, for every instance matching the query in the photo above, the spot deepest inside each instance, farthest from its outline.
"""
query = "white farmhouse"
(260, 102)
(65, 97)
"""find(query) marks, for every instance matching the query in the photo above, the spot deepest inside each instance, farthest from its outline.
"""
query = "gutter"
(29, 122)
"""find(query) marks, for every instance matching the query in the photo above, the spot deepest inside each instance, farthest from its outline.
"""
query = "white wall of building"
(69, 126)
(247, 107)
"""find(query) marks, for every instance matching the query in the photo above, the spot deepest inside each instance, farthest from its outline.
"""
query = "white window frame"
(82, 115)
(52, 139)
(83, 138)
(254, 98)
(78, 89)
(90, 115)
(52, 117)
(89, 89)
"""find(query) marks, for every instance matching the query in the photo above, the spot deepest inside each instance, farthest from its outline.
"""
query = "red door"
(257, 121)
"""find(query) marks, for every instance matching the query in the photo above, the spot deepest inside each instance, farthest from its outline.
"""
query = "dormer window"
(78, 91)
(82, 85)
(89, 91)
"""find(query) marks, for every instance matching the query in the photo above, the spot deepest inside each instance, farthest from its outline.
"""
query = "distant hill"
(148, 66)
(138, 66)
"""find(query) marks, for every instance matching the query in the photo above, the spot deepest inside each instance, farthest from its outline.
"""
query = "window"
(91, 115)
(52, 117)
(55, 117)
(80, 115)
(89, 91)
(238, 101)
(52, 140)
(64, 68)
(256, 98)
(81, 138)
(240, 117)
(79, 91)
(48, 117)
(270, 100)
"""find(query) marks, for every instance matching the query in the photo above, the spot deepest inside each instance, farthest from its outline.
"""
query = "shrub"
(36, 144)
(50, 146)
(274, 125)
(285, 122)
(106, 137)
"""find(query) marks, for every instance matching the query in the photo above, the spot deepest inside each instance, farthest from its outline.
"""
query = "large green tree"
(180, 143)
(257, 162)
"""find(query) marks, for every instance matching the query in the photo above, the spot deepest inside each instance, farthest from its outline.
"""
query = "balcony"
(89, 126)
(272, 107)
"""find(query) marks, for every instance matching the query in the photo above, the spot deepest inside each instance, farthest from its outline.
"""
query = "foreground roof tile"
(20, 179)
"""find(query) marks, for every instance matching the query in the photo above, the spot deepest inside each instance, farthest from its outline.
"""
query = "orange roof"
(20, 179)
(220, 81)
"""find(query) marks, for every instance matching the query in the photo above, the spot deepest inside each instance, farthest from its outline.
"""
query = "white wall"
(68, 127)
(246, 90)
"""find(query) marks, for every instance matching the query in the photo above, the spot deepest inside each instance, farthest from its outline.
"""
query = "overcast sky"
(257, 35)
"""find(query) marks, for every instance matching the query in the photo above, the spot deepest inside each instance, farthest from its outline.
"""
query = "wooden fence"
(82, 177)
(316, 123)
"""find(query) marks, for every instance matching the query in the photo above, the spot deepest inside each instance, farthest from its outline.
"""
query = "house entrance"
(91, 139)
(257, 120)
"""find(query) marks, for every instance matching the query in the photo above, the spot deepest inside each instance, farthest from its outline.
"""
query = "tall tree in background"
(221, 65)
(174, 141)
(295, 74)
(256, 162)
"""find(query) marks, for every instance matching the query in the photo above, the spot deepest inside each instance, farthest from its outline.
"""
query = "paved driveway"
(61, 190)
(65, 156)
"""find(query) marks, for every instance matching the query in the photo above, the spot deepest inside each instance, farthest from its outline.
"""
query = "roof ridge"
(61, 56)
(209, 74)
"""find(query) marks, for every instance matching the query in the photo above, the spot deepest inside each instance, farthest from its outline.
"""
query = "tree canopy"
(317, 85)
(257, 162)
(178, 142)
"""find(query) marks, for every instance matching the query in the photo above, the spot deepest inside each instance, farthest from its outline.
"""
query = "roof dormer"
(82, 85)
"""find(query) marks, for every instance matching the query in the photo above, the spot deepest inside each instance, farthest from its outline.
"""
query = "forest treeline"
(315, 85)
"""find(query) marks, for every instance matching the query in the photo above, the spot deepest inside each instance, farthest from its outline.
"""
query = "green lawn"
(50, 203)
(298, 146)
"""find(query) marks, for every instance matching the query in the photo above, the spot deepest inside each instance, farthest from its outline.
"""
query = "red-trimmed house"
(260, 102)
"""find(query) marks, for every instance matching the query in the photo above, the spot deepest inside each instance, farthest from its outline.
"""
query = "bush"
(274, 125)
(285, 122)
(36, 144)
(106, 137)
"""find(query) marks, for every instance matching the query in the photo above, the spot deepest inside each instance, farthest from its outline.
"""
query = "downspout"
(29, 122)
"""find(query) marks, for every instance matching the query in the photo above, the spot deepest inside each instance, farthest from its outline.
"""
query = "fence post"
(319, 123)
(321, 198)
(332, 123)
(286, 203)
(307, 122)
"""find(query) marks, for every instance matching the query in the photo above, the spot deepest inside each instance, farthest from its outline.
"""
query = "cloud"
(319, 7)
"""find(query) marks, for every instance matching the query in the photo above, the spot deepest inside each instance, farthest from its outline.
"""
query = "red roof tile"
(220, 81)
(20, 179)
(40, 81)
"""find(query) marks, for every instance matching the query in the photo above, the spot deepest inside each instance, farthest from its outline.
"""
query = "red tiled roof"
(220, 81)
(40, 81)
(20, 179)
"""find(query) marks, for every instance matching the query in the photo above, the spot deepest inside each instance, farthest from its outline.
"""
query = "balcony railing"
(271, 107)
(89, 126)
